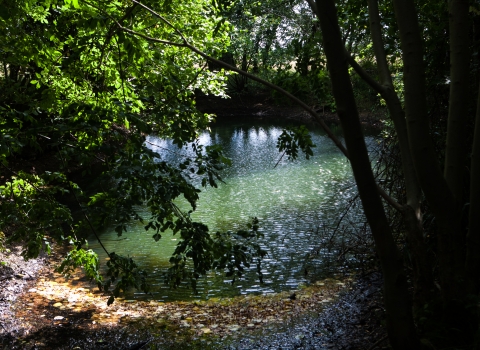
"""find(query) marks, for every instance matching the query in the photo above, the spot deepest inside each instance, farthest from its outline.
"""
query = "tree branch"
(163, 19)
(307, 108)
(378, 47)
(111, 32)
(387, 91)
(285, 93)
(160, 41)
(363, 74)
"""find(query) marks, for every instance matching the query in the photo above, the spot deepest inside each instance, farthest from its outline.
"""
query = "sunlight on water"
(291, 201)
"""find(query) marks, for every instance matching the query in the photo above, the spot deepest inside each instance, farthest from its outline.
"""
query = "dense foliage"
(77, 99)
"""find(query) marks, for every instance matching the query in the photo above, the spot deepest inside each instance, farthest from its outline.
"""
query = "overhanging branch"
(146, 37)
(363, 74)
(229, 67)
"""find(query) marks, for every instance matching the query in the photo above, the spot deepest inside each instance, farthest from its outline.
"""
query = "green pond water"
(293, 202)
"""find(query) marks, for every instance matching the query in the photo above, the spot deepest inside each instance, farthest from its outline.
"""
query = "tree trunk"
(434, 186)
(456, 151)
(412, 215)
(400, 325)
(473, 236)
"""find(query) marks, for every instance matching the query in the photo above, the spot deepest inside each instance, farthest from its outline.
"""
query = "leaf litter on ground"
(54, 300)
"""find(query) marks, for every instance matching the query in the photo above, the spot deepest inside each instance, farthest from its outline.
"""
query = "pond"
(293, 201)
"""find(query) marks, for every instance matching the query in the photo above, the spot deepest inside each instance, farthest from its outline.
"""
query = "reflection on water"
(291, 201)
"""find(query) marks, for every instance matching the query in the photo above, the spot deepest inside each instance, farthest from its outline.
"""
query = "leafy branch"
(391, 201)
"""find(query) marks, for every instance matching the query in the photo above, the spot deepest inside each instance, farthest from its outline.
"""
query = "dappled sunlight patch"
(63, 303)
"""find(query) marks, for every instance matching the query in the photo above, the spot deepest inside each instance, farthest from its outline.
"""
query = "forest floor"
(41, 310)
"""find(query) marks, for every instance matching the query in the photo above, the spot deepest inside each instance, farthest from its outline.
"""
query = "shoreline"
(263, 107)
(53, 312)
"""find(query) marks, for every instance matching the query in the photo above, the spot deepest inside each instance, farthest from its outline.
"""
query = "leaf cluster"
(78, 97)
(232, 252)
(293, 139)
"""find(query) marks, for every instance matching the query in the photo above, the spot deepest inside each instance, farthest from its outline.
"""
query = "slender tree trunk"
(473, 235)
(395, 108)
(400, 325)
(456, 150)
(412, 215)
(434, 186)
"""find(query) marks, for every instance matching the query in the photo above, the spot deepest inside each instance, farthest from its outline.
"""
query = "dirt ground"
(16, 275)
